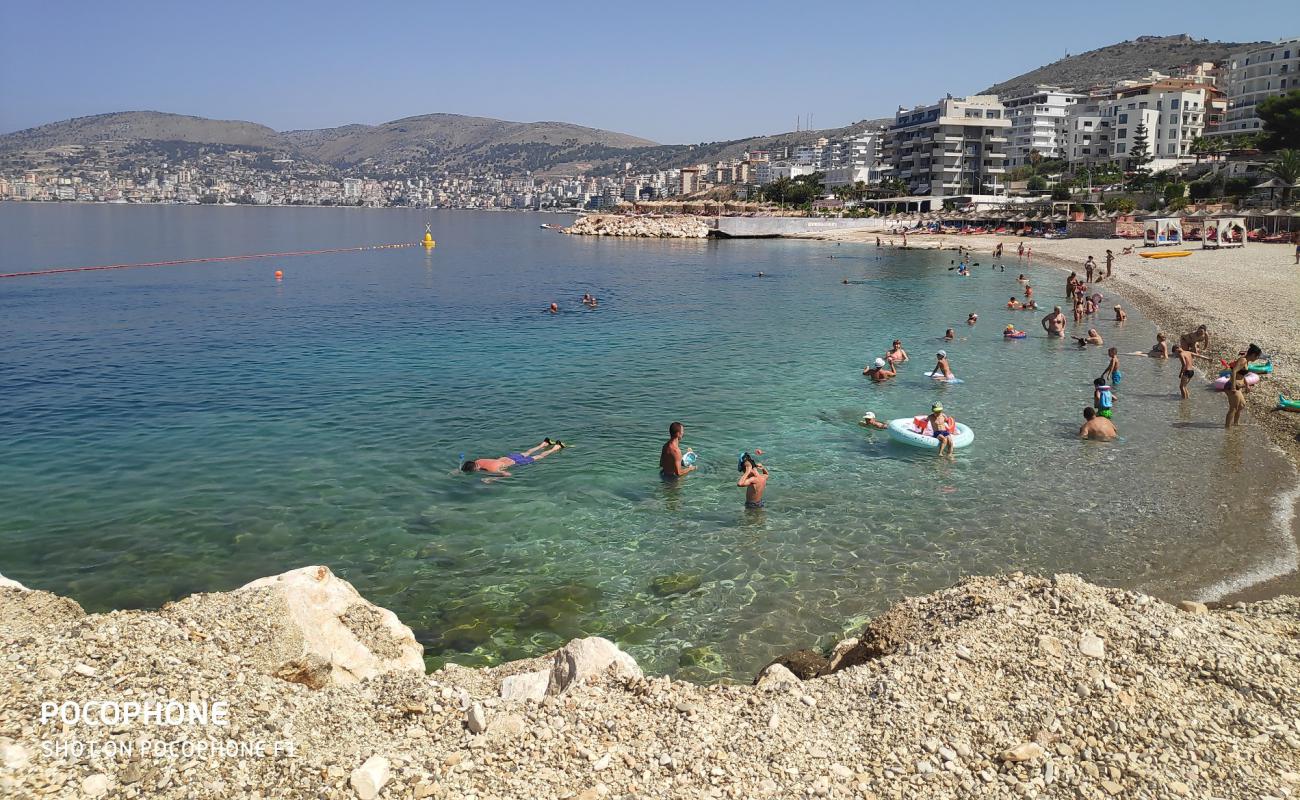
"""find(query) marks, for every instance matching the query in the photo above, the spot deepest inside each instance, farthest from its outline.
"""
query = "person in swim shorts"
(753, 478)
(1103, 398)
(941, 427)
(941, 366)
(499, 467)
(670, 457)
(1185, 371)
(880, 371)
(1111, 373)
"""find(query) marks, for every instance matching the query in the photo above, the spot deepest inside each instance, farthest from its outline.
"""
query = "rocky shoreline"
(1012, 686)
(674, 227)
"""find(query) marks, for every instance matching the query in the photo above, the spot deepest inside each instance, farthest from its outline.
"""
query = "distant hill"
(126, 126)
(1132, 59)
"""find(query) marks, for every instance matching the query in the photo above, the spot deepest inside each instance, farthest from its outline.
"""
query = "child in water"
(1102, 398)
(753, 478)
(1112, 372)
(869, 421)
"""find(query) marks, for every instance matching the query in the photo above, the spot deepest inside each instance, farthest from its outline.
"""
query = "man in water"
(753, 478)
(1095, 427)
(1185, 370)
(941, 367)
(1092, 338)
(554, 308)
(880, 371)
(869, 421)
(498, 467)
(949, 335)
(1236, 389)
(670, 457)
(1198, 341)
(973, 318)
(1054, 323)
(1120, 315)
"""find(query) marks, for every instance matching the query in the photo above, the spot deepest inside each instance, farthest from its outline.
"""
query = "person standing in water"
(753, 478)
(1054, 323)
(1089, 267)
(1185, 372)
(1237, 388)
(670, 457)
(896, 354)
(1112, 374)
(1120, 316)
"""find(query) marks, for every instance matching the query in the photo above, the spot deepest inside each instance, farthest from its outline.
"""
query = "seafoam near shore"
(998, 687)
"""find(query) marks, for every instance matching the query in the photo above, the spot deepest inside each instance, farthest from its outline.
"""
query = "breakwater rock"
(998, 687)
(679, 227)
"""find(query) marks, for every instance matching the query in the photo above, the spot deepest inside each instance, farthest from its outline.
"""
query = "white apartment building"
(956, 146)
(1173, 112)
(1038, 122)
(1255, 75)
(1086, 136)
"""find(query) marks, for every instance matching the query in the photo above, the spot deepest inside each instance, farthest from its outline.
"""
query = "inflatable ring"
(1221, 382)
(903, 431)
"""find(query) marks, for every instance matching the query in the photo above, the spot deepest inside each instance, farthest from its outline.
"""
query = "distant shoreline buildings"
(956, 146)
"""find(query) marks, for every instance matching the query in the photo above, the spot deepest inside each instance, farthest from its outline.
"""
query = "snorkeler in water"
(499, 467)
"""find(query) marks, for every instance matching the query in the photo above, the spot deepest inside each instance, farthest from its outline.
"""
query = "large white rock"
(10, 583)
(526, 686)
(368, 779)
(353, 637)
(582, 659)
(774, 676)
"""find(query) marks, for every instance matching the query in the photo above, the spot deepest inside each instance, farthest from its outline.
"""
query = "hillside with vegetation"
(1129, 59)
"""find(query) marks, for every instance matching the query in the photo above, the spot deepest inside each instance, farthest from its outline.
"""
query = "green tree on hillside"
(1281, 117)
(1139, 158)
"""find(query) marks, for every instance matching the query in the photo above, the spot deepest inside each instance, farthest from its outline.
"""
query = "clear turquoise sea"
(190, 428)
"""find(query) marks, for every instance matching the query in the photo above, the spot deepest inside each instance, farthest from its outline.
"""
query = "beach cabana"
(1223, 230)
(1160, 231)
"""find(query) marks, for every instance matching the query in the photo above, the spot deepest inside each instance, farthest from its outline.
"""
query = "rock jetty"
(677, 227)
(1016, 687)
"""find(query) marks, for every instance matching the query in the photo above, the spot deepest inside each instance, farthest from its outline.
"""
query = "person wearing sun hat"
(941, 366)
(880, 370)
(869, 421)
(941, 427)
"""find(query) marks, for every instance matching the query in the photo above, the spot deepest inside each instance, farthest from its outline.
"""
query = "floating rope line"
(215, 259)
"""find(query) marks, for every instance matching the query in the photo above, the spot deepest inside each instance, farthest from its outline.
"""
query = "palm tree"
(1285, 166)
(1199, 147)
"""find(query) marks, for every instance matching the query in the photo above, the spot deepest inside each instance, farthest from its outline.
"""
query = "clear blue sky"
(668, 71)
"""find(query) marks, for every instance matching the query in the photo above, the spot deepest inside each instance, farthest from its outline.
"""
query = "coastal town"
(1200, 124)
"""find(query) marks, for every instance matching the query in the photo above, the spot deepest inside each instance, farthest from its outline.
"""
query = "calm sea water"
(190, 428)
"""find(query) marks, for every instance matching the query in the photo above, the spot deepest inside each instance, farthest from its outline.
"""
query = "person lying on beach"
(1198, 341)
(1127, 251)
(869, 421)
(670, 456)
(1054, 323)
(1160, 349)
(499, 467)
(880, 371)
(1120, 314)
(949, 335)
(753, 478)
(941, 366)
(896, 354)
(1236, 389)
(1092, 338)
(1096, 427)
(1111, 374)
(1186, 372)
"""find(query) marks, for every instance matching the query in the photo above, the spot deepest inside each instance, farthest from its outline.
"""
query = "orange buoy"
(279, 275)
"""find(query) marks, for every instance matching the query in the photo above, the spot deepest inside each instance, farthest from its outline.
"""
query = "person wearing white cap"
(869, 421)
(941, 367)
(880, 370)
